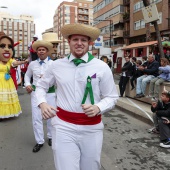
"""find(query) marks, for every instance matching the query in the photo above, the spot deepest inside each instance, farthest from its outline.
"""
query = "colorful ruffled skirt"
(9, 102)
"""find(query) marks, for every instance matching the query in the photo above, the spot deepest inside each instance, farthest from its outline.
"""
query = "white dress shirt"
(71, 82)
(36, 70)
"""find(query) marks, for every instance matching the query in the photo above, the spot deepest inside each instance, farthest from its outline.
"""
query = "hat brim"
(58, 41)
(80, 29)
(42, 43)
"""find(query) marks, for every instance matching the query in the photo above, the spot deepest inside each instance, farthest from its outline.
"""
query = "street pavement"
(127, 144)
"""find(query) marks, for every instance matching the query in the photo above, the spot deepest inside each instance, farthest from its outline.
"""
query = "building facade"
(78, 11)
(108, 17)
(18, 28)
(127, 22)
(135, 28)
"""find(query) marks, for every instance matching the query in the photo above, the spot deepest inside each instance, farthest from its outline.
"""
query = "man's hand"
(90, 110)
(47, 111)
(29, 89)
(141, 68)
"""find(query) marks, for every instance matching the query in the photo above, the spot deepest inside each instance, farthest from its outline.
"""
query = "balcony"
(126, 2)
(126, 17)
(126, 34)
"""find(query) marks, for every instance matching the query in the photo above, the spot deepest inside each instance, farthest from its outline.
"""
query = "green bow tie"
(78, 61)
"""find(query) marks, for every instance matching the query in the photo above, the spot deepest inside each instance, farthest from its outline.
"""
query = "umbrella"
(166, 43)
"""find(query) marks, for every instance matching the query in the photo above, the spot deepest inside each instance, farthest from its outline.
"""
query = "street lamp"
(110, 28)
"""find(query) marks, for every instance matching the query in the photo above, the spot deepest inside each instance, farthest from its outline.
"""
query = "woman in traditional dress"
(9, 102)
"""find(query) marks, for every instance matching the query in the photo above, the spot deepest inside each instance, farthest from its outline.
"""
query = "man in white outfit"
(85, 90)
(36, 69)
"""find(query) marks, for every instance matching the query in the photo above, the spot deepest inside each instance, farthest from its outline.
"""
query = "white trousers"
(37, 119)
(76, 147)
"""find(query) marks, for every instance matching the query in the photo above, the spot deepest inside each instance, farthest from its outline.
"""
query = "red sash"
(78, 118)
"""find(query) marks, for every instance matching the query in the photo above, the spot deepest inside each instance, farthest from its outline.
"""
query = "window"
(155, 1)
(137, 25)
(138, 6)
(67, 8)
(142, 23)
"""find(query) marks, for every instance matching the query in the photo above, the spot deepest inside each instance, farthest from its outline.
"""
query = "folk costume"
(9, 102)
(36, 69)
(77, 139)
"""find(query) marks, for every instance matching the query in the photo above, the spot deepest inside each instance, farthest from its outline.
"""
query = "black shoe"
(142, 95)
(50, 142)
(37, 147)
(138, 96)
(120, 96)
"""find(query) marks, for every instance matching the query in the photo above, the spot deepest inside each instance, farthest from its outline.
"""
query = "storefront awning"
(136, 45)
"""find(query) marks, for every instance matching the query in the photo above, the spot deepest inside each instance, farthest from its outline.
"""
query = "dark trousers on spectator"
(132, 80)
(22, 76)
(164, 130)
(122, 84)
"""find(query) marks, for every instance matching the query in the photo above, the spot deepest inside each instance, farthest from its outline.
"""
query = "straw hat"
(81, 29)
(51, 37)
(42, 43)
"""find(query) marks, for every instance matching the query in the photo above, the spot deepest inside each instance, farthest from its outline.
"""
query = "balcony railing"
(126, 17)
(126, 34)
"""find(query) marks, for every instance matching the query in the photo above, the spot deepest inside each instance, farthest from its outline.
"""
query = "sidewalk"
(137, 108)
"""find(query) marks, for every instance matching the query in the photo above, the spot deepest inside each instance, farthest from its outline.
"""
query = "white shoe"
(149, 96)
(23, 87)
(165, 144)
(154, 99)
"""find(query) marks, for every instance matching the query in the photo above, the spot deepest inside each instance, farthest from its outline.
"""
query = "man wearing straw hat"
(36, 69)
(85, 90)
(52, 38)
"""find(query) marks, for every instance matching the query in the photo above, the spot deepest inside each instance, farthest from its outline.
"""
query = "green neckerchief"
(88, 88)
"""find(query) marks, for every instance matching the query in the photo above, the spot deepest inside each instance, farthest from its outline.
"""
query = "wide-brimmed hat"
(51, 37)
(80, 29)
(42, 43)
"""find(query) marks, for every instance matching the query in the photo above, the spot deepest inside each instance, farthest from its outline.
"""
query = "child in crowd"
(161, 116)
(136, 73)
(144, 61)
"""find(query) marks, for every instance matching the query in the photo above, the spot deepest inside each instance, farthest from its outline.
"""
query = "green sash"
(88, 88)
(50, 90)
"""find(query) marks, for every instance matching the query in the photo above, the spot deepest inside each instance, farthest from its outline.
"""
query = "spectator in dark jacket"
(167, 55)
(136, 73)
(150, 72)
(161, 112)
(126, 73)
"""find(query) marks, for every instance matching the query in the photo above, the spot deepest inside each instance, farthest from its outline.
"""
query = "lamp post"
(110, 28)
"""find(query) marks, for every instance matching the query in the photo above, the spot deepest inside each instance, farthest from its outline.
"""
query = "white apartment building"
(18, 28)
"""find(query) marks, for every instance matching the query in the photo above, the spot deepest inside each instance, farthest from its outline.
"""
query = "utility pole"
(147, 3)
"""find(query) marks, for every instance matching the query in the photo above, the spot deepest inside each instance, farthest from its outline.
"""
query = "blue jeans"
(142, 82)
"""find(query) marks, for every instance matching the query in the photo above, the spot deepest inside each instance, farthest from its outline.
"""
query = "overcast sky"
(42, 11)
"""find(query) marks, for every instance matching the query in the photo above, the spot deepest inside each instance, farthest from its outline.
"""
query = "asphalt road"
(127, 144)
